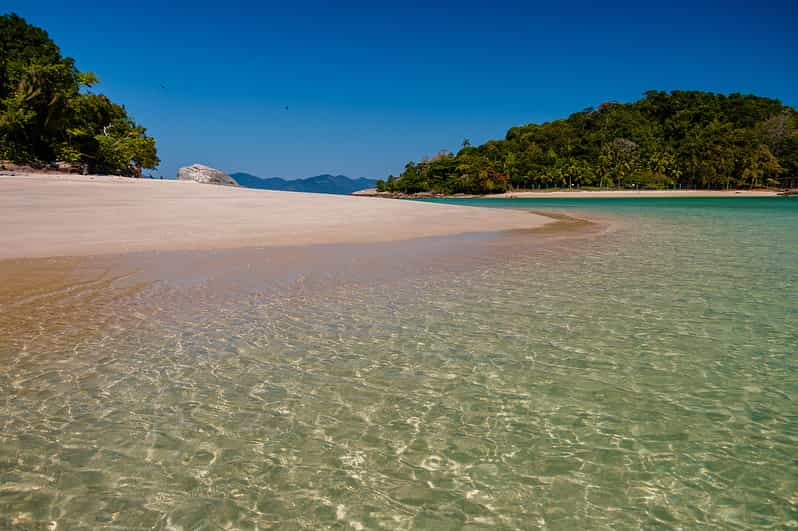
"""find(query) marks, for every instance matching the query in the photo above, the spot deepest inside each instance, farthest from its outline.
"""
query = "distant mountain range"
(320, 184)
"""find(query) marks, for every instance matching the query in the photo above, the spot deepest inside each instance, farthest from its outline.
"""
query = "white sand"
(69, 215)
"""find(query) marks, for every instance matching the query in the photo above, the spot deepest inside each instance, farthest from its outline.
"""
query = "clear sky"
(371, 86)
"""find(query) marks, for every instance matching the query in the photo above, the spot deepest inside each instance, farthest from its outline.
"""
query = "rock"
(72, 167)
(368, 192)
(205, 175)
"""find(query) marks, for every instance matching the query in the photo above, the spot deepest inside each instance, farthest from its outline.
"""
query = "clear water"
(645, 378)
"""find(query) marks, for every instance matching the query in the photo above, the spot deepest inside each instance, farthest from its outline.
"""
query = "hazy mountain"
(320, 184)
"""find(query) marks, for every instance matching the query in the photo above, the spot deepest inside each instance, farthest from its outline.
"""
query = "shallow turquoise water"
(642, 378)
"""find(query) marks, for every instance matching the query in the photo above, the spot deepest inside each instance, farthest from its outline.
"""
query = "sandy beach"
(71, 215)
(586, 194)
(636, 193)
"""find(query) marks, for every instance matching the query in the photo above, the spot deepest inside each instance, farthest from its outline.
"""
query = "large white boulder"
(205, 175)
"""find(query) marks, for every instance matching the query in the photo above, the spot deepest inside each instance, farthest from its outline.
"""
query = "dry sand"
(69, 215)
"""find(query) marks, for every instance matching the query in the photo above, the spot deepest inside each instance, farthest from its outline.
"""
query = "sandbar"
(72, 215)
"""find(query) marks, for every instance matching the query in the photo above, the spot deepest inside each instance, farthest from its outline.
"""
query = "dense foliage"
(665, 140)
(47, 113)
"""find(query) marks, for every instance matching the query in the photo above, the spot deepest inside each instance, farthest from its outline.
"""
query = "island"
(679, 140)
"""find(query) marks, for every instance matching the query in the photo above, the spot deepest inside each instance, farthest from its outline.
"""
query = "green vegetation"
(665, 140)
(47, 113)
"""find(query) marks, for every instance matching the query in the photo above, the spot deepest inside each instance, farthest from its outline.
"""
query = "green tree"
(686, 138)
(664, 168)
(619, 159)
(761, 166)
(46, 115)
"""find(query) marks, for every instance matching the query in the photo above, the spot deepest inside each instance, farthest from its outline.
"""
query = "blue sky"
(373, 85)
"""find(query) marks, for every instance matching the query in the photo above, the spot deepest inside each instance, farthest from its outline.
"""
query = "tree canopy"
(47, 112)
(667, 139)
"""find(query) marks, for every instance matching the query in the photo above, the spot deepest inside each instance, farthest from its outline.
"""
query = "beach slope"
(70, 215)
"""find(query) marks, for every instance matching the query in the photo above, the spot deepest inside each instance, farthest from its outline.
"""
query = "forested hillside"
(49, 113)
(665, 140)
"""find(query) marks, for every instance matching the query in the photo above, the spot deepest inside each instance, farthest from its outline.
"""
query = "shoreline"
(576, 194)
(635, 194)
(77, 249)
(78, 296)
(74, 215)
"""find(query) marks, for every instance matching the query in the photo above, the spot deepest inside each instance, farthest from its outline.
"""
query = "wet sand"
(76, 296)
